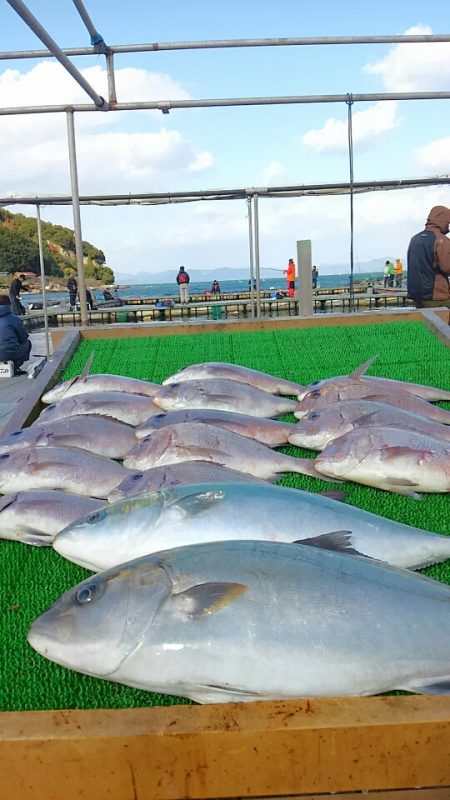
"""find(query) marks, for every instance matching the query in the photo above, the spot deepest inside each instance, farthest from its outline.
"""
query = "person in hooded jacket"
(183, 281)
(15, 344)
(429, 262)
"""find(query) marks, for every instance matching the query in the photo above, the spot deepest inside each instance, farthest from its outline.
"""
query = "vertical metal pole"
(350, 159)
(252, 255)
(304, 261)
(76, 217)
(42, 265)
(112, 96)
(257, 269)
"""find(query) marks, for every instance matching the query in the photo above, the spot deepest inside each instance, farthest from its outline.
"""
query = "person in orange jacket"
(290, 277)
(398, 267)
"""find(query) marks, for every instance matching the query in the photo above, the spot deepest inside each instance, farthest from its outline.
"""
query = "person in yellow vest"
(398, 273)
(290, 277)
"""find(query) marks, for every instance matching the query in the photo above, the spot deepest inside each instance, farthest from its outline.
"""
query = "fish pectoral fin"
(362, 369)
(194, 453)
(194, 504)
(388, 452)
(335, 540)
(207, 598)
(365, 418)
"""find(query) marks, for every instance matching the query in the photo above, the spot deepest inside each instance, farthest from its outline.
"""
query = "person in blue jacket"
(15, 344)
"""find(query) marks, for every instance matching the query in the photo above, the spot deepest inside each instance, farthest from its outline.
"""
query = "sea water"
(161, 290)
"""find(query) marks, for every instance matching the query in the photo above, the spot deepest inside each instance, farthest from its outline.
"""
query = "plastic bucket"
(121, 316)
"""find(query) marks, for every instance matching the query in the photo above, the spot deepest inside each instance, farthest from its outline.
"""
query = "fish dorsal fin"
(87, 366)
(362, 369)
(340, 541)
(207, 598)
(334, 494)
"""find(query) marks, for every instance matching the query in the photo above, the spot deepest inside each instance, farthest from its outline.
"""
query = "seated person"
(15, 344)
(215, 288)
(118, 299)
(107, 295)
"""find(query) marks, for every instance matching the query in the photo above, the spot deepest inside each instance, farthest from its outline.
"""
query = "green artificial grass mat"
(33, 578)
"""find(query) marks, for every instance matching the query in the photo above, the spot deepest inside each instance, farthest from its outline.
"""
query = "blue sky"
(232, 147)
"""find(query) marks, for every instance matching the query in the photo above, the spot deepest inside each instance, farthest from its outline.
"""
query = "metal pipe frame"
(214, 44)
(42, 267)
(165, 106)
(55, 50)
(171, 198)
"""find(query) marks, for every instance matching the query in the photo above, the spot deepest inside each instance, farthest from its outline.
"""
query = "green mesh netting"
(33, 578)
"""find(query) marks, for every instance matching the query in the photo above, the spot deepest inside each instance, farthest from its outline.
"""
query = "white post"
(304, 266)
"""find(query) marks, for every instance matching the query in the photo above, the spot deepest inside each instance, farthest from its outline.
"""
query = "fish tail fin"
(305, 466)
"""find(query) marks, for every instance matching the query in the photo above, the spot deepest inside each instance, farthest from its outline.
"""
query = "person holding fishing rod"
(290, 277)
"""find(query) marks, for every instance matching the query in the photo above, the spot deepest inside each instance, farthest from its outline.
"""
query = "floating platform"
(201, 307)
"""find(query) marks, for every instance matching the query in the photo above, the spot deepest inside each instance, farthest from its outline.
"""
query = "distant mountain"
(239, 273)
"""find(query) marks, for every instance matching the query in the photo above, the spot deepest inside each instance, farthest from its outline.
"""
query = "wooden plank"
(233, 750)
(438, 322)
(28, 409)
(279, 323)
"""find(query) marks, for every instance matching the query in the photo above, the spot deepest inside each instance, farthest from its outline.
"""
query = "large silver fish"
(100, 435)
(325, 396)
(35, 517)
(400, 461)
(223, 394)
(186, 472)
(319, 427)
(99, 383)
(236, 372)
(357, 385)
(130, 408)
(210, 512)
(247, 620)
(197, 441)
(268, 431)
(62, 468)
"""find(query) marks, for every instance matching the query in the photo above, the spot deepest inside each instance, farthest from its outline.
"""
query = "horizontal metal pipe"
(229, 194)
(234, 43)
(56, 51)
(170, 105)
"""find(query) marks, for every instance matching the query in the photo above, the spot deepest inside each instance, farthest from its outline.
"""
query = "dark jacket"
(183, 277)
(12, 330)
(16, 287)
(429, 259)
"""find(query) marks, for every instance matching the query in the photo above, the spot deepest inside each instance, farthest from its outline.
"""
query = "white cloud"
(273, 172)
(435, 155)
(34, 151)
(366, 125)
(415, 67)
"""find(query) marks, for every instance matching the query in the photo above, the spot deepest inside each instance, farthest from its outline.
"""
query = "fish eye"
(96, 516)
(316, 393)
(86, 594)
(137, 476)
(313, 415)
(4, 455)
